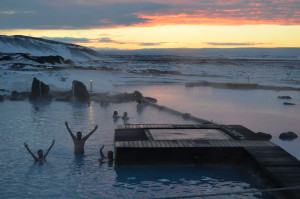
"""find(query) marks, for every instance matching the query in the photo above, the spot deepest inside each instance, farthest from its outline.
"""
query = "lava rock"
(65, 98)
(288, 103)
(138, 95)
(288, 136)
(39, 90)
(79, 91)
(284, 97)
(151, 99)
(15, 96)
(263, 136)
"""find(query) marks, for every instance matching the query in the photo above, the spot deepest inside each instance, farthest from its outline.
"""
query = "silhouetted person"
(109, 158)
(115, 115)
(78, 140)
(140, 105)
(125, 116)
(41, 157)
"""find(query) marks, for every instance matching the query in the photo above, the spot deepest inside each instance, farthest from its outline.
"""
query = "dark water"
(67, 176)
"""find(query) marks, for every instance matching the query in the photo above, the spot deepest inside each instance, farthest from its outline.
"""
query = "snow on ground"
(265, 73)
(43, 47)
(57, 80)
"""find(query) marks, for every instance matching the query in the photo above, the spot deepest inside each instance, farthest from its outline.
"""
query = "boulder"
(284, 97)
(288, 136)
(288, 103)
(79, 91)
(138, 95)
(15, 96)
(64, 98)
(263, 136)
(151, 99)
(39, 90)
(126, 97)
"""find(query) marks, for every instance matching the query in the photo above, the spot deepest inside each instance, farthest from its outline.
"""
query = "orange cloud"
(106, 41)
(215, 19)
(222, 12)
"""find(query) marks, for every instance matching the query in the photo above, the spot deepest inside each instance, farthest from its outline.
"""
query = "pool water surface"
(67, 176)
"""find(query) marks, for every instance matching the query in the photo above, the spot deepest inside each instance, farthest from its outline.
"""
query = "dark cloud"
(106, 40)
(16, 14)
(151, 44)
(80, 14)
(233, 44)
(109, 40)
(68, 39)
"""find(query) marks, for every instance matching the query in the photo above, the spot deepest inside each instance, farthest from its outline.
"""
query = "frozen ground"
(126, 70)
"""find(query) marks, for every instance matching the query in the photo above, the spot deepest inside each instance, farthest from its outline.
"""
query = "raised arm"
(69, 130)
(90, 133)
(29, 151)
(49, 149)
(102, 156)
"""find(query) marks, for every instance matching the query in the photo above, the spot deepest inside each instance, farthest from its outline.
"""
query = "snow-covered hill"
(42, 47)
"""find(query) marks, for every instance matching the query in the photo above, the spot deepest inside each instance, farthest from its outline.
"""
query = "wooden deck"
(191, 144)
(135, 144)
(280, 166)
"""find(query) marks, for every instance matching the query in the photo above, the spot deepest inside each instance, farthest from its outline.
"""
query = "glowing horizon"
(182, 36)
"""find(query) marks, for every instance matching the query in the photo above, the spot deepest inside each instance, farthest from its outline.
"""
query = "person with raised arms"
(78, 140)
(41, 157)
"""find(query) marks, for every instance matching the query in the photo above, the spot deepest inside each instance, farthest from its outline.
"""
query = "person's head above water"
(79, 135)
(115, 113)
(110, 155)
(40, 153)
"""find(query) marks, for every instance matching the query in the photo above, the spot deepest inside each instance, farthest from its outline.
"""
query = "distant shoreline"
(244, 86)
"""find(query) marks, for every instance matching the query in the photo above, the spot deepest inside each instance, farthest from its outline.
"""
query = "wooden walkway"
(191, 143)
(134, 144)
(280, 166)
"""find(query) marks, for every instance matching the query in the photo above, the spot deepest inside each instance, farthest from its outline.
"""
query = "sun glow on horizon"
(176, 36)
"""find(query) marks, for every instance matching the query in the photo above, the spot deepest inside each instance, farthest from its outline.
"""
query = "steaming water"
(258, 110)
(67, 176)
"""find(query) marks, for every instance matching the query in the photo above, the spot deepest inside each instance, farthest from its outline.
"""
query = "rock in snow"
(284, 97)
(263, 136)
(288, 136)
(39, 90)
(79, 91)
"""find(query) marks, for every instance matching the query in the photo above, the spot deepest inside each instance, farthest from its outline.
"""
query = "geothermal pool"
(67, 176)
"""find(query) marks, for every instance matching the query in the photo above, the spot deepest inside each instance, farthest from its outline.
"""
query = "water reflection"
(91, 113)
(81, 176)
(79, 159)
(186, 180)
(77, 166)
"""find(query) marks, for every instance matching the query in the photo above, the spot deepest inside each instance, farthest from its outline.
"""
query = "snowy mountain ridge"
(43, 47)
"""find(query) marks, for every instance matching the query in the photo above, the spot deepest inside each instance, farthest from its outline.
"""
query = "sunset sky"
(136, 24)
